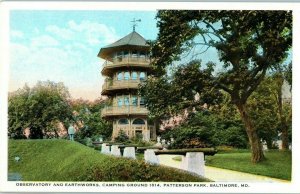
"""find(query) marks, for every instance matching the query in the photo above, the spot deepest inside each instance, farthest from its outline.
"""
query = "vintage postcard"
(184, 97)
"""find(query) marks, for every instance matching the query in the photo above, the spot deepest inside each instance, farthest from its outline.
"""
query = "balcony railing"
(124, 110)
(122, 84)
(127, 60)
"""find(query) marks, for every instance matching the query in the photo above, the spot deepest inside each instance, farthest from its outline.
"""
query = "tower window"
(134, 100)
(126, 75)
(126, 100)
(142, 76)
(138, 122)
(120, 76)
(142, 101)
(126, 53)
(134, 75)
(120, 101)
(143, 54)
(123, 121)
(134, 54)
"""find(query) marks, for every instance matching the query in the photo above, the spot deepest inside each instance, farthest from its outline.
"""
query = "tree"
(262, 107)
(39, 108)
(16, 110)
(187, 88)
(89, 119)
(283, 107)
(248, 42)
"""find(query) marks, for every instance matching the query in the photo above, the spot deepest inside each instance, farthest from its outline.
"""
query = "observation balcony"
(124, 110)
(112, 85)
(125, 61)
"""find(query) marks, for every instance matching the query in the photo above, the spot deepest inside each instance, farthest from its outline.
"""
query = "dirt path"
(219, 174)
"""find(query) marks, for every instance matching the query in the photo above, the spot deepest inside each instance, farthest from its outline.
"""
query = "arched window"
(138, 122)
(123, 121)
(142, 76)
(120, 76)
(126, 75)
(134, 75)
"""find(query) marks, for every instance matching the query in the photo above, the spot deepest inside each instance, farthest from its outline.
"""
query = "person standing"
(71, 132)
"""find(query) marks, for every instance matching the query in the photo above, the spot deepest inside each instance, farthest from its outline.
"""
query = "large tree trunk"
(256, 146)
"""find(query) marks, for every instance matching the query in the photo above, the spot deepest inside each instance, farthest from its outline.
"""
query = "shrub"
(122, 137)
(207, 129)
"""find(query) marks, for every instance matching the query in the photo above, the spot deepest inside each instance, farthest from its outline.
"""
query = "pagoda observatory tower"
(127, 64)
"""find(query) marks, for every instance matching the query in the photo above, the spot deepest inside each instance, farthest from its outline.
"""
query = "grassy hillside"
(61, 160)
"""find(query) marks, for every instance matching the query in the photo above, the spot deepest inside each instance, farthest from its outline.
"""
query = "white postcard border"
(9, 186)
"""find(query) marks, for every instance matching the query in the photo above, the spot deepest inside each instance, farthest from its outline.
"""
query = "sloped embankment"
(62, 160)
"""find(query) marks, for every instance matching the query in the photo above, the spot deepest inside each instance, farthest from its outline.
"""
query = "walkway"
(222, 175)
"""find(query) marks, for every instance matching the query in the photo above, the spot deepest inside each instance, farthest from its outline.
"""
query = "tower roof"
(132, 39)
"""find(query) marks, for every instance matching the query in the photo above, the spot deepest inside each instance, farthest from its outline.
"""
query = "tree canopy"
(249, 43)
(188, 87)
(39, 108)
(88, 118)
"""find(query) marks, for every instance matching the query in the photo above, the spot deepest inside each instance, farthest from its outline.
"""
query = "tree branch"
(215, 31)
(253, 86)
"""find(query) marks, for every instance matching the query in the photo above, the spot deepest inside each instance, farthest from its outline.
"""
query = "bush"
(195, 137)
(122, 137)
(207, 129)
(138, 140)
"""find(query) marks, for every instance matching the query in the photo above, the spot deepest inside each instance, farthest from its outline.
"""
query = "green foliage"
(170, 95)
(288, 75)
(249, 43)
(75, 162)
(40, 108)
(89, 117)
(238, 36)
(271, 114)
(122, 137)
(278, 164)
(219, 126)
(262, 108)
(138, 141)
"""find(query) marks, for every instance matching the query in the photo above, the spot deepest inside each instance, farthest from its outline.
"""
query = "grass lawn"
(278, 164)
(62, 160)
